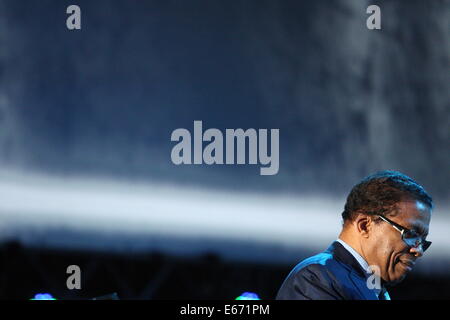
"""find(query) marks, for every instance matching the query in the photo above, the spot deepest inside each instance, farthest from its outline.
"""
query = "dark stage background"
(86, 116)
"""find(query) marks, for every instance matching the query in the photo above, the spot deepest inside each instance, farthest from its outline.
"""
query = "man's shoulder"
(331, 274)
(321, 262)
(335, 259)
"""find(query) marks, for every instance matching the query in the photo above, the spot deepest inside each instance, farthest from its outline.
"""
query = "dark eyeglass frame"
(405, 231)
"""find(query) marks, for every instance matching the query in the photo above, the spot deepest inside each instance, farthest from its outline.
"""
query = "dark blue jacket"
(331, 275)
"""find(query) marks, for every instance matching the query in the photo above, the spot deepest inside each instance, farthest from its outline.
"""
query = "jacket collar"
(341, 254)
(358, 275)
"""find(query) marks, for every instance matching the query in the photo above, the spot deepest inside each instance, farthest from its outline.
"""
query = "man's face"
(386, 248)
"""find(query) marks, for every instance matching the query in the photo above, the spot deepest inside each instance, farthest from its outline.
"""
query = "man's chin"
(397, 278)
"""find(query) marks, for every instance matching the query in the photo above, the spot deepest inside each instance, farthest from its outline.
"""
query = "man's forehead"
(414, 214)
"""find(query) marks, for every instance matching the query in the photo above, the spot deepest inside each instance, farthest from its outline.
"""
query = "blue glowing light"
(43, 296)
(248, 296)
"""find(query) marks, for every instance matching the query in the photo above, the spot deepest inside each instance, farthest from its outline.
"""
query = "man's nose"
(417, 251)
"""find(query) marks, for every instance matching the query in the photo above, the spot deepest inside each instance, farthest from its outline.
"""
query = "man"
(386, 222)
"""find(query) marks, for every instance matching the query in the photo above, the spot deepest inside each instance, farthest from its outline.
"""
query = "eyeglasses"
(410, 237)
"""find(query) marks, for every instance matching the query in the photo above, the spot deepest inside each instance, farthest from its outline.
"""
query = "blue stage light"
(248, 296)
(43, 296)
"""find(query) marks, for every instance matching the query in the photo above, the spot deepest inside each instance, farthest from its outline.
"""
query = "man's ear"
(363, 224)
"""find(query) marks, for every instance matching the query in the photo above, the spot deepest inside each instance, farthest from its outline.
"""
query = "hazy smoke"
(348, 101)
(357, 100)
